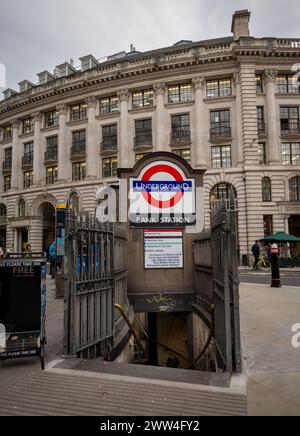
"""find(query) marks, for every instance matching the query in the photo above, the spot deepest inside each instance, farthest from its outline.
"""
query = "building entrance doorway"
(294, 229)
(47, 211)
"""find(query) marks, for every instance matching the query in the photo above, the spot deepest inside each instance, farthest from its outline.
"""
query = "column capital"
(62, 109)
(198, 82)
(124, 95)
(236, 78)
(91, 102)
(159, 88)
(270, 75)
(15, 123)
(37, 116)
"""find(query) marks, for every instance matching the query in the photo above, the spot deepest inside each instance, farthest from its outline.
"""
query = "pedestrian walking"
(2, 253)
(256, 254)
(52, 257)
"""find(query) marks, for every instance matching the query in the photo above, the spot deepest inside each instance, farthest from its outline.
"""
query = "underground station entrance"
(150, 286)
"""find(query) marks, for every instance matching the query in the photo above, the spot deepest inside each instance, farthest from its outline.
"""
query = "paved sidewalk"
(273, 365)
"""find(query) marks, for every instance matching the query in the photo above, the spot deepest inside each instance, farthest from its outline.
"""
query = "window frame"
(222, 156)
(51, 179)
(78, 171)
(217, 93)
(289, 148)
(266, 184)
(295, 198)
(145, 101)
(110, 105)
(79, 114)
(7, 183)
(53, 119)
(181, 95)
(27, 179)
(113, 166)
(27, 125)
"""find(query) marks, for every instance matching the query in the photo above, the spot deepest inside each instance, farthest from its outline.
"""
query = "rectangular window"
(109, 105)
(110, 137)
(259, 84)
(52, 148)
(185, 154)
(262, 154)
(268, 225)
(7, 132)
(291, 154)
(218, 88)
(28, 125)
(51, 119)
(28, 179)
(180, 128)
(143, 133)
(142, 99)
(220, 124)
(7, 164)
(221, 156)
(109, 167)
(7, 183)
(289, 119)
(28, 154)
(261, 125)
(79, 143)
(285, 84)
(78, 171)
(180, 93)
(51, 175)
(79, 112)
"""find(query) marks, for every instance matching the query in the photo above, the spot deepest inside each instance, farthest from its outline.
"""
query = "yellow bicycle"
(264, 264)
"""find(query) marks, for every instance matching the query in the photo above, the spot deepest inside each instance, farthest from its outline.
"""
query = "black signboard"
(22, 307)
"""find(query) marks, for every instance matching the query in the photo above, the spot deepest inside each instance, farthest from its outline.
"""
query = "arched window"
(22, 208)
(266, 189)
(294, 186)
(222, 191)
(74, 202)
(3, 211)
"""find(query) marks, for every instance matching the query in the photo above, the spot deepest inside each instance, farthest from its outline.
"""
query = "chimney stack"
(240, 24)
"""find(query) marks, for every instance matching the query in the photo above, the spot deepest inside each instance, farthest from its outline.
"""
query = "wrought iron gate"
(217, 282)
(95, 279)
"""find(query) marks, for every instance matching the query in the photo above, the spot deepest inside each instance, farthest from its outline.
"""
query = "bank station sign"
(162, 196)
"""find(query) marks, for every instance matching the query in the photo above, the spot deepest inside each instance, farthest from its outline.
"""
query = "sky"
(37, 35)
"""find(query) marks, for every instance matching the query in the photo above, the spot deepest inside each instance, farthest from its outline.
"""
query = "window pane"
(185, 93)
(174, 96)
(226, 156)
(286, 154)
(262, 154)
(225, 87)
(212, 89)
(295, 154)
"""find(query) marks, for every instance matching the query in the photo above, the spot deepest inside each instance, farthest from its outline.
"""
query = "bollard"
(276, 282)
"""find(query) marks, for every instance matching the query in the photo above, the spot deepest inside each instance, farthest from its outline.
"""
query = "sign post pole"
(276, 281)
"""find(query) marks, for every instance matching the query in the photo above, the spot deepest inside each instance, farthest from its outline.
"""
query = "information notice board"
(163, 249)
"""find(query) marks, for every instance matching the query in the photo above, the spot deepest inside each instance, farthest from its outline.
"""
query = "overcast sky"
(37, 35)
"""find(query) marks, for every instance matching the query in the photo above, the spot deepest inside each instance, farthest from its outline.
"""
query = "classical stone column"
(161, 128)
(38, 158)
(16, 174)
(125, 143)
(63, 150)
(200, 123)
(92, 148)
(273, 149)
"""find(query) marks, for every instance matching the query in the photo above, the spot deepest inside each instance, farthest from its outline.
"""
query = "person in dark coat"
(256, 254)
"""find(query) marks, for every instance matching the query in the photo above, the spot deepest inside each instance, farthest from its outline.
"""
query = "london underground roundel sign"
(162, 195)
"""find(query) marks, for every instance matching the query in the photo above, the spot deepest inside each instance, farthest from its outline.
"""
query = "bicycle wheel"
(266, 265)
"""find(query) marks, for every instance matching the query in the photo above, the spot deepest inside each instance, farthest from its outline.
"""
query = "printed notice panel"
(163, 249)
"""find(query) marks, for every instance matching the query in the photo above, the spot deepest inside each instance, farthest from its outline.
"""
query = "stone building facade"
(229, 105)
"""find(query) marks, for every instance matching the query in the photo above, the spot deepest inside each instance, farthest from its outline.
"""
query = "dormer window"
(28, 125)
(88, 62)
(45, 77)
(25, 86)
